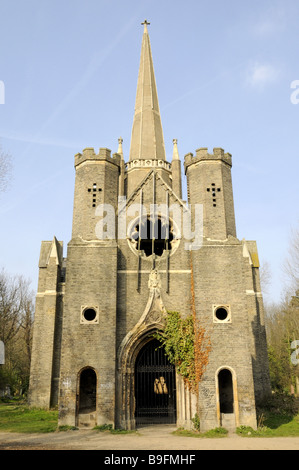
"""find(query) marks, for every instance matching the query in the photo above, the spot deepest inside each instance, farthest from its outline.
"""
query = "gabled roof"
(51, 249)
(154, 174)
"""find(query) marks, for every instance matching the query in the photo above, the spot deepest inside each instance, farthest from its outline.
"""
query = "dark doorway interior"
(87, 393)
(155, 389)
(226, 395)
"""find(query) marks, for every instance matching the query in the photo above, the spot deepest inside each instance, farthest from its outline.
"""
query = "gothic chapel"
(93, 353)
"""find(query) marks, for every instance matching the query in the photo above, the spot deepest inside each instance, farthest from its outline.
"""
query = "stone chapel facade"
(97, 309)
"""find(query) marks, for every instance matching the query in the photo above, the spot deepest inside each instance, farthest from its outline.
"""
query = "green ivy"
(178, 341)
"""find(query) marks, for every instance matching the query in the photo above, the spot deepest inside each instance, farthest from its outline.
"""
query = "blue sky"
(223, 70)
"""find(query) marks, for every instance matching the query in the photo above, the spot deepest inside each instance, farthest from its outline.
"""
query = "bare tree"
(282, 325)
(15, 305)
(265, 277)
(292, 261)
(16, 325)
(27, 322)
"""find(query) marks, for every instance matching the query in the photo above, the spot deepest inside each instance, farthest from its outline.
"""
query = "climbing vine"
(178, 341)
(202, 342)
(186, 344)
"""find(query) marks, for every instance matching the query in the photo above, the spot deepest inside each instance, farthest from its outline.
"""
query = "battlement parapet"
(88, 154)
(203, 155)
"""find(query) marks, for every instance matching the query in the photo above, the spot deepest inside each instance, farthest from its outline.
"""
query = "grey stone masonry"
(90, 283)
(98, 309)
(47, 311)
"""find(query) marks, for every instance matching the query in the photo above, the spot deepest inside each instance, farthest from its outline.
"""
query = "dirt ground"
(150, 438)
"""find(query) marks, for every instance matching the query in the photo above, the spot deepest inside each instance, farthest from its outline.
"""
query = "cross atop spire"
(145, 23)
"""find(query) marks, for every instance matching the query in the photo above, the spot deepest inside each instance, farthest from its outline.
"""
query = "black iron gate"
(155, 386)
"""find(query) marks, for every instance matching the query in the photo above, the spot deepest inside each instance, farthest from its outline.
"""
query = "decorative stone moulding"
(148, 164)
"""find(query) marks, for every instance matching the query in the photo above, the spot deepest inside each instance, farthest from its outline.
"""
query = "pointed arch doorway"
(155, 386)
(86, 398)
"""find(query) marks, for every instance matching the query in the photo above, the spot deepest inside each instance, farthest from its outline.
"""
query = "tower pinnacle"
(176, 170)
(120, 147)
(175, 155)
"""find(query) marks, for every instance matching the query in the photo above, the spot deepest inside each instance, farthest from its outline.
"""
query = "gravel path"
(150, 438)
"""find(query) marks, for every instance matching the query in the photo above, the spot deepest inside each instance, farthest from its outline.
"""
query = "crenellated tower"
(96, 182)
(209, 183)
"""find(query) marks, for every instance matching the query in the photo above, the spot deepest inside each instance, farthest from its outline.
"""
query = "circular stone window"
(89, 315)
(222, 314)
(153, 235)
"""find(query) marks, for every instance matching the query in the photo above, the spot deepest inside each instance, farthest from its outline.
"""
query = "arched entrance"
(87, 398)
(227, 398)
(226, 394)
(155, 386)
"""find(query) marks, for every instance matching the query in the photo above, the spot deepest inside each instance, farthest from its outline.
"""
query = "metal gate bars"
(155, 386)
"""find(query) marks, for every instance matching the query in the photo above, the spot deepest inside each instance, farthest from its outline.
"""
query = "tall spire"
(147, 140)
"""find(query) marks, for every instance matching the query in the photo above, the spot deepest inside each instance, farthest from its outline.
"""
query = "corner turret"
(209, 183)
(97, 182)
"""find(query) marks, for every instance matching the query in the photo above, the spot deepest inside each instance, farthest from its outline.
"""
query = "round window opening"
(221, 314)
(153, 235)
(89, 314)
